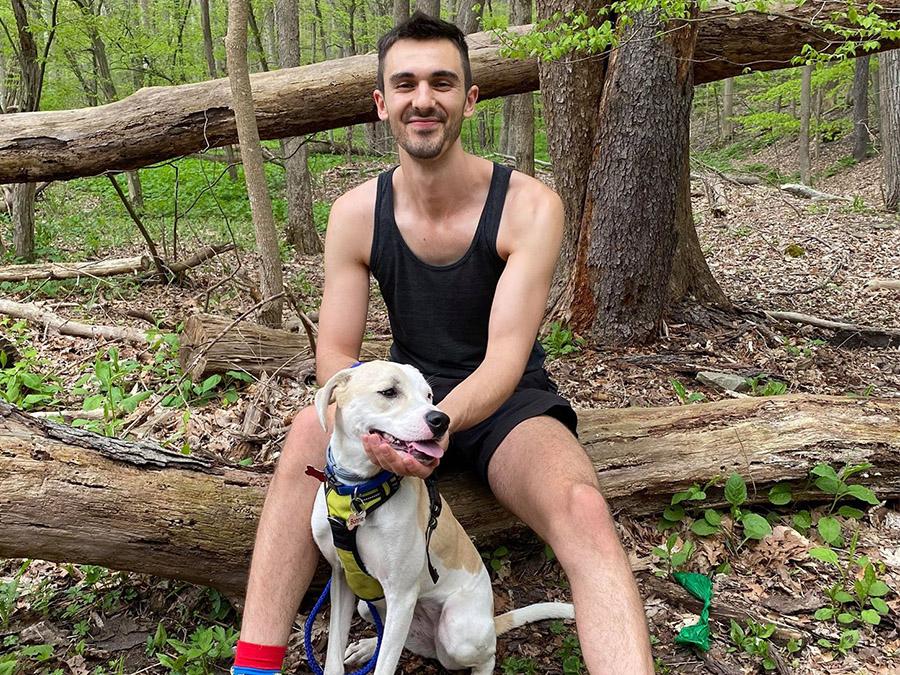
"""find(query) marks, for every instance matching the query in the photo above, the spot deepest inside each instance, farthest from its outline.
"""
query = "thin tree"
(889, 102)
(213, 71)
(429, 7)
(727, 125)
(401, 11)
(270, 276)
(300, 231)
(805, 114)
(520, 123)
(860, 96)
(468, 15)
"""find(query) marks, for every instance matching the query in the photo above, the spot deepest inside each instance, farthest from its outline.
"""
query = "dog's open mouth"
(425, 451)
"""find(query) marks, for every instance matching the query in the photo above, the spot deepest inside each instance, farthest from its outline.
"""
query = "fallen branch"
(848, 334)
(185, 519)
(200, 256)
(92, 268)
(806, 192)
(53, 321)
(876, 284)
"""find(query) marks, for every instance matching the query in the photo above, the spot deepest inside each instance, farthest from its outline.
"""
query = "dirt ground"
(770, 251)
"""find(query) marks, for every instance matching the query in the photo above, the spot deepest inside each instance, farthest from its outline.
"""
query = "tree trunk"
(889, 88)
(212, 71)
(520, 121)
(429, 7)
(401, 11)
(300, 231)
(618, 285)
(468, 16)
(861, 108)
(159, 512)
(166, 122)
(727, 124)
(805, 109)
(257, 38)
(270, 276)
(23, 220)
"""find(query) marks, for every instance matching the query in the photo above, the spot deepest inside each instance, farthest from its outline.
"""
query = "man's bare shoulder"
(351, 222)
(532, 209)
(357, 205)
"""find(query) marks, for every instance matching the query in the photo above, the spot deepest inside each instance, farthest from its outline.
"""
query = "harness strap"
(434, 511)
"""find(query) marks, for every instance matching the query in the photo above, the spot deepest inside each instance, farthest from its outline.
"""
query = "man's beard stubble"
(430, 146)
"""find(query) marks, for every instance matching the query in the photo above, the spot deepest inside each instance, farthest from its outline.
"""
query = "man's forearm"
(480, 395)
(328, 362)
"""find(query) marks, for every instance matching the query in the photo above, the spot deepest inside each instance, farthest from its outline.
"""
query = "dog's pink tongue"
(430, 448)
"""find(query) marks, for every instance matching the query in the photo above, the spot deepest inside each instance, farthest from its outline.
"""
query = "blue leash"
(307, 636)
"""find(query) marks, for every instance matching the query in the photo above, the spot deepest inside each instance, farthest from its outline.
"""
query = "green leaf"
(712, 517)
(846, 618)
(829, 485)
(878, 589)
(830, 530)
(824, 554)
(870, 616)
(824, 470)
(849, 471)
(780, 494)
(735, 490)
(850, 512)
(93, 402)
(674, 513)
(755, 526)
(824, 613)
(843, 597)
(863, 494)
(849, 639)
(703, 528)
(802, 520)
(879, 605)
(210, 383)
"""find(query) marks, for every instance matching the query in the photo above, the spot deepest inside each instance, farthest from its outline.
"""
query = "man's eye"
(388, 393)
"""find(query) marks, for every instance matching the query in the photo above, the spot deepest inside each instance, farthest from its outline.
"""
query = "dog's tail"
(537, 612)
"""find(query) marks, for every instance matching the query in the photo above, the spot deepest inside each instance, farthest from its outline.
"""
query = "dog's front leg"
(400, 606)
(342, 603)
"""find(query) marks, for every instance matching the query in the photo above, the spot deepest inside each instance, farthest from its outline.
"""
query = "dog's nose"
(438, 422)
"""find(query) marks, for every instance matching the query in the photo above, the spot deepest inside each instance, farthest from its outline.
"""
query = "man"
(464, 253)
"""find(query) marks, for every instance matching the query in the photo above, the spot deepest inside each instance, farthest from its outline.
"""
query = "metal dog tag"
(357, 513)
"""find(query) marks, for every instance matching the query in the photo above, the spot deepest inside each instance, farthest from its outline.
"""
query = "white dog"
(437, 593)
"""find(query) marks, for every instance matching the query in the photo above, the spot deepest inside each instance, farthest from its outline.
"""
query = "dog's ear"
(325, 395)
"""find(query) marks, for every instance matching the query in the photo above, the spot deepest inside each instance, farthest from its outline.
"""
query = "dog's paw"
(360, 652)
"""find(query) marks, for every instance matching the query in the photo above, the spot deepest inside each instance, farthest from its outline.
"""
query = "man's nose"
(438, 422)
(424, 96)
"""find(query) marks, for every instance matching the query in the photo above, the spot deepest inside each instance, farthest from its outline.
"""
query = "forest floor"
(769, 251)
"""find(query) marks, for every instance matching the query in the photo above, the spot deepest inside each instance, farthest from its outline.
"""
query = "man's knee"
(304, 445)
(581, 515)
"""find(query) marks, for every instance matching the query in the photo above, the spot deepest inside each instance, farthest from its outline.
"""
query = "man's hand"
(400, 463)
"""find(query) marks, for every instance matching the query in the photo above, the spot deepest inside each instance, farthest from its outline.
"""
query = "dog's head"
(392, 400)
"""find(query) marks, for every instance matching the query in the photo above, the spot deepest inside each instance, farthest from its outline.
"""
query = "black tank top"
(439, 313)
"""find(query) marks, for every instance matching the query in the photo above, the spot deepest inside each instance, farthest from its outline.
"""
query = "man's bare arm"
(345, 298)
(516, 314)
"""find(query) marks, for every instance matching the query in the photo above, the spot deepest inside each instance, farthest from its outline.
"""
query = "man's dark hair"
(423, 27)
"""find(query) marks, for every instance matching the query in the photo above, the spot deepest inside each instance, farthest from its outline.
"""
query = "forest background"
(820, 125)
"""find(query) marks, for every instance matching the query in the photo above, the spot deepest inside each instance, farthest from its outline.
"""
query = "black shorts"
(472, 449)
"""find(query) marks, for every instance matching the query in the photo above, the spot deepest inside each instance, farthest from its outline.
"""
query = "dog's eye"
(388, 393)
(429, 396)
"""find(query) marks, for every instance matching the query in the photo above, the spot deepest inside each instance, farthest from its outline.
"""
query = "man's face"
(425, 98)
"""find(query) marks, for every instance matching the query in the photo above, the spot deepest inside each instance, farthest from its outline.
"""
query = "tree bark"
(805, 110)
(861, 108)
(400, 11)
(22, 214)
(93, 268)
(520, 123)
(468, 16)
(727, 125)
(300, 230)
(270, 276)
(70, 495)
(166, 122)
(212, 71)
(429, 7)
(889, 88)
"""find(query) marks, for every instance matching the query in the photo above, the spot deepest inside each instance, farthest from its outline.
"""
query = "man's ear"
(325, 395)
(471, 100)
(380, 105)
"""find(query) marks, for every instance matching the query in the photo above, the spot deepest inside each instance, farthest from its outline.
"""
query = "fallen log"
(249, 348)
(70, 495)
(806, 192)
(91, 268)
(51, 320)
(847, 335)
(876, 284)
(160, 123)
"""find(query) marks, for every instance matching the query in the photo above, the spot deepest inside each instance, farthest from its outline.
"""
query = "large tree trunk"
(300, 231)
(468, 16)
(889, 88)
(861, 108)
(270, 276)
(627, 237)
(70, 495)
(166, 122)
(401, 11)
(429, 7)
(805, 114)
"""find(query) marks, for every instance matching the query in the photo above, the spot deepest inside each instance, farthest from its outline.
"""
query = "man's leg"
(285, 556)
(542, 474)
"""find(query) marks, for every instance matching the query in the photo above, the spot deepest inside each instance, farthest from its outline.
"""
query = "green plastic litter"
(700, 586)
